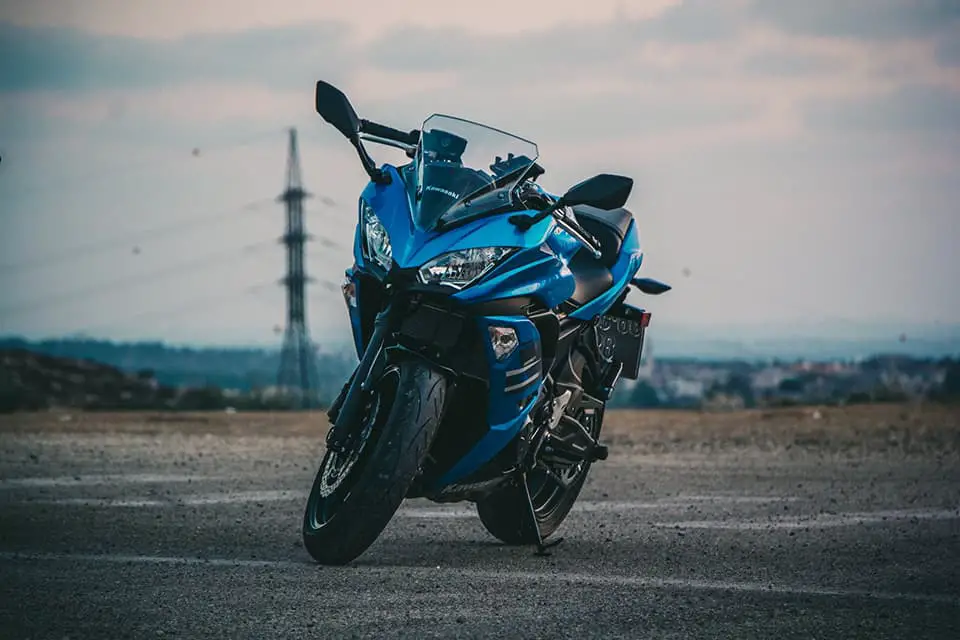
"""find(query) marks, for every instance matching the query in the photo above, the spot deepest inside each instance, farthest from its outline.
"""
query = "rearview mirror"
(337, 110)
(604, 191)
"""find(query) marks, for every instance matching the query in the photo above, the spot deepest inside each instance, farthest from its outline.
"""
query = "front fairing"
(413, 246)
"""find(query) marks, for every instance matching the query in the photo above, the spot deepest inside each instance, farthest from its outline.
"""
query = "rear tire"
(355, 494)
(506, 514)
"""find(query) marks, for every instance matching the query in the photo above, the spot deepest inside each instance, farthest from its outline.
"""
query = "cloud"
(177, 18)
(948, 49)
(785, 63)
(44, 57)
(68, 59)
(526, 57)
(866, 19)
(697, 70)
(694, 21)
(908, 109)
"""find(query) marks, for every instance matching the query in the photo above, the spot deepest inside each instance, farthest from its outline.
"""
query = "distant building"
(680, 388)
(769, 378)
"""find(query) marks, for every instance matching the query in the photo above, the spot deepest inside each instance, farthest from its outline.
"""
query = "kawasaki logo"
(455, 196)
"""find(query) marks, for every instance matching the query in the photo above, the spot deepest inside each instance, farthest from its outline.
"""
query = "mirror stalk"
(377, 176)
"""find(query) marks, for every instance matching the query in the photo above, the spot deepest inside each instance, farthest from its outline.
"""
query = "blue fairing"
(413, 247)
(504, 416)
(537, 268)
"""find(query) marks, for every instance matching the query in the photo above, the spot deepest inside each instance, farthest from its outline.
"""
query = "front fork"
(346, 411)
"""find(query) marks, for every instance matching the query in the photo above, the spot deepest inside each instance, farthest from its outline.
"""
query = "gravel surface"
(839, 523)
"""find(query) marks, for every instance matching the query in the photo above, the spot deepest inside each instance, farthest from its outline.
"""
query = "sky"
(795, 164)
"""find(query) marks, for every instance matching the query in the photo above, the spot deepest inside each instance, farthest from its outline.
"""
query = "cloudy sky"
(795, 162)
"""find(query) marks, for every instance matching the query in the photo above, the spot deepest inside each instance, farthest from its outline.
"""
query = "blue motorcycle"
(491, 325)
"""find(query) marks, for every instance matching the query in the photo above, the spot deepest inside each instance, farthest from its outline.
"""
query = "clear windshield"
(459, 160)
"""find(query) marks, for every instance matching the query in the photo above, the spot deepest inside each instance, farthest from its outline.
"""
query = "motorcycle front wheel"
(357, 491)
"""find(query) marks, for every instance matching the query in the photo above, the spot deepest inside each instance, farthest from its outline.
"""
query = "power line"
(92, 248)
(110, 173)
(188, 305)
(136, 280)
(201, 302)
(70, 254)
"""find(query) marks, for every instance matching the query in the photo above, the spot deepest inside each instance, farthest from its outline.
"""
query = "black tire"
(341, 525)
(506, 514)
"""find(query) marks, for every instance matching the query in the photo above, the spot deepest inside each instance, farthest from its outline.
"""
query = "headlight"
(376, 242)
(457, 269)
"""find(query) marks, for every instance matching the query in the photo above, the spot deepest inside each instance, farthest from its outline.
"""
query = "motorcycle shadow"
(491, 554)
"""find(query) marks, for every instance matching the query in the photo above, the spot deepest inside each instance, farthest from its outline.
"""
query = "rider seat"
(593, 277)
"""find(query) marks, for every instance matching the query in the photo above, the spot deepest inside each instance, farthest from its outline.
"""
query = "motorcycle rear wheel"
(356, 492)
(506, 514)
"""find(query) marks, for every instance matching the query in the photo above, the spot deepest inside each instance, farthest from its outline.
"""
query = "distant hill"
(31, 381)
(243, 369)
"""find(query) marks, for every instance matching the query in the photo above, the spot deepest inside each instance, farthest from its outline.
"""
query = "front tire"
(356, 493)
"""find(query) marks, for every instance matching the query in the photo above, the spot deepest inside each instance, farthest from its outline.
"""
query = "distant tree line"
(736, 387)
(249, 371)
(155, 375)
(949, 391)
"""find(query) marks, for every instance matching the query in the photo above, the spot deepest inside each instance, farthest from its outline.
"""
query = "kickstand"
(541, 545)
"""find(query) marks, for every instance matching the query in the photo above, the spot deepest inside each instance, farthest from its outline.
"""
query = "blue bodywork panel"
(504, 414)
(413, 247)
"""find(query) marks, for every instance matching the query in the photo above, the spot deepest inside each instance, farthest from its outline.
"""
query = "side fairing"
(514, 386)
(532, 273)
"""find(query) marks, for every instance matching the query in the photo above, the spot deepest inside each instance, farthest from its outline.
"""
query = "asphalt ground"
(145, 527)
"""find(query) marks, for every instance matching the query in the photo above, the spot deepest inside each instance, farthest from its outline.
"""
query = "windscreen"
(458, 160)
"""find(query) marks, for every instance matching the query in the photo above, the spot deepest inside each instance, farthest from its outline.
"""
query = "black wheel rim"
(339, 471)
(546, 492)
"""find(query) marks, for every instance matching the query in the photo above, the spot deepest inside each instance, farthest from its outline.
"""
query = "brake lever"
(524, 222)
(579, 233)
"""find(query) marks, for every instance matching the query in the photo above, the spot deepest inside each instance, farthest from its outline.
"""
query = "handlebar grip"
(374, 129)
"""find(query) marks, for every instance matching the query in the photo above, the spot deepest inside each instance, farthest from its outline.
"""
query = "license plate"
(621, 339)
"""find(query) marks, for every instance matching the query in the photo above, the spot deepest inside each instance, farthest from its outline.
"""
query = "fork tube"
(349, 414)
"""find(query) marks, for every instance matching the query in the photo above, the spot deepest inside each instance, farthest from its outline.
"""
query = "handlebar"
(382, 131)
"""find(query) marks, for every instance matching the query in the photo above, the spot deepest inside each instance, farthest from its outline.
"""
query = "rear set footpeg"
(572, 441)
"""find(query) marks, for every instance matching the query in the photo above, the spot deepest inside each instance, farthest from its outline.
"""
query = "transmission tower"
(297, 366)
